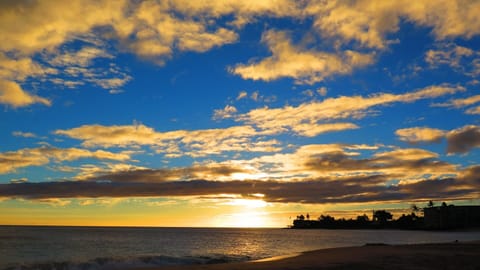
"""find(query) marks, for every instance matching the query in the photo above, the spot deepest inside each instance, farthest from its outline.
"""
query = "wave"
(106, 263)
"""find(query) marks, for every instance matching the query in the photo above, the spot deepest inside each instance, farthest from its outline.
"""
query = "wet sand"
(374, 256)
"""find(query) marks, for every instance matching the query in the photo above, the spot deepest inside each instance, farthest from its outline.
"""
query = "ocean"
(85, 248)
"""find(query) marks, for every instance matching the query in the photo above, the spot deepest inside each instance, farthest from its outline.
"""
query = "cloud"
(406, 165)
(301, 64)
(60, 42)
(461, 103)
(19, 180)
(12, 94)
(461, 59)
(471, 175)
(349, 190)
(241, 95)
(30, 27)
(322, 91)
(464, 139)
(38, 38)
(217, 8)
(10, 161)
(206, 171)
(370, 22)
(420, 135)
(154, 31)
(24, 134)
(175, 143)
(328, 173)
(296, 119)
(473, 110)
(312, 130)
(459, 141)
(19, 68)
(449, 55)
(83, 57)
(228, 112)
(338, 161)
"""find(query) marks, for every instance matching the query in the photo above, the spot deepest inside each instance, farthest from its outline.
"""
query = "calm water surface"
(101, 247)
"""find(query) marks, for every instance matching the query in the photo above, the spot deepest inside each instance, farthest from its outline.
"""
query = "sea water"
(88, 248)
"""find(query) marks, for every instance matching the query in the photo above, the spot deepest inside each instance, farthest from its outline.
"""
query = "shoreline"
(453, 255)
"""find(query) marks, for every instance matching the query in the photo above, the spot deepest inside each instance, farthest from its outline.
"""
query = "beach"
(456, 255)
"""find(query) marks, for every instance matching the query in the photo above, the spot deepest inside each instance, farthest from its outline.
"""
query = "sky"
(235, 113)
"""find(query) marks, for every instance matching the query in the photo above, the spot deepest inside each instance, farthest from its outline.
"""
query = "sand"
(375, 256)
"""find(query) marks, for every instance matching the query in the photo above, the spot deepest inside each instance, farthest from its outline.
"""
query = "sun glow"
(246, 219)
(248, 203)
(246, 213)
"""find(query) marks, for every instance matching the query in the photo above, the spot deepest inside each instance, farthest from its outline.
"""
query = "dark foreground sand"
(372, 257)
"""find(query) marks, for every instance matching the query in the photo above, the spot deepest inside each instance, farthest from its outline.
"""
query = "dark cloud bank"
(320, 190)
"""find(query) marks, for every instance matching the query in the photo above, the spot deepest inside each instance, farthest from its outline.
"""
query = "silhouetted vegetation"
(436, 218)
(380, 219)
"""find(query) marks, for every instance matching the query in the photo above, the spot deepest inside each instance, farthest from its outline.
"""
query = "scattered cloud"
(322, 91)
(450, 55)
(462, 103)
(370, 22)
(12, 94)
(174, 143)
(461, 59)
(211, 171)
(19, 180)
(312, 130)
(276, 120)
(20, 68)
(464, 139)
(420, 135)
(473, 110)
(10, 161)
(303, 65)
(228, 112)
(24, 134)
(242, 94)
(83, 57)
(459, 141)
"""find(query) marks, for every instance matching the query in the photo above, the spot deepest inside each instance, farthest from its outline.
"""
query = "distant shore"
(457, 255)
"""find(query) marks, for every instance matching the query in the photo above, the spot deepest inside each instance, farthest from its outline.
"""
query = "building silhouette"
(452, 217)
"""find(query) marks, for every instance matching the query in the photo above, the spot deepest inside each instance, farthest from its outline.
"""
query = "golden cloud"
(12, 94)
(277, 120)
(461, 103)
(312, 130)
(460, 140)
(369, 22)
(154, 30)
(474, 110)
(450, 55)
(174, 143)
(420, 134)
(10, 161)
(305, 66)
(227, 112)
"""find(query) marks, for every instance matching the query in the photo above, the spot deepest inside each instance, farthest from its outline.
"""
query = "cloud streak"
(293, 118)
(10, 161)
(174, 143)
